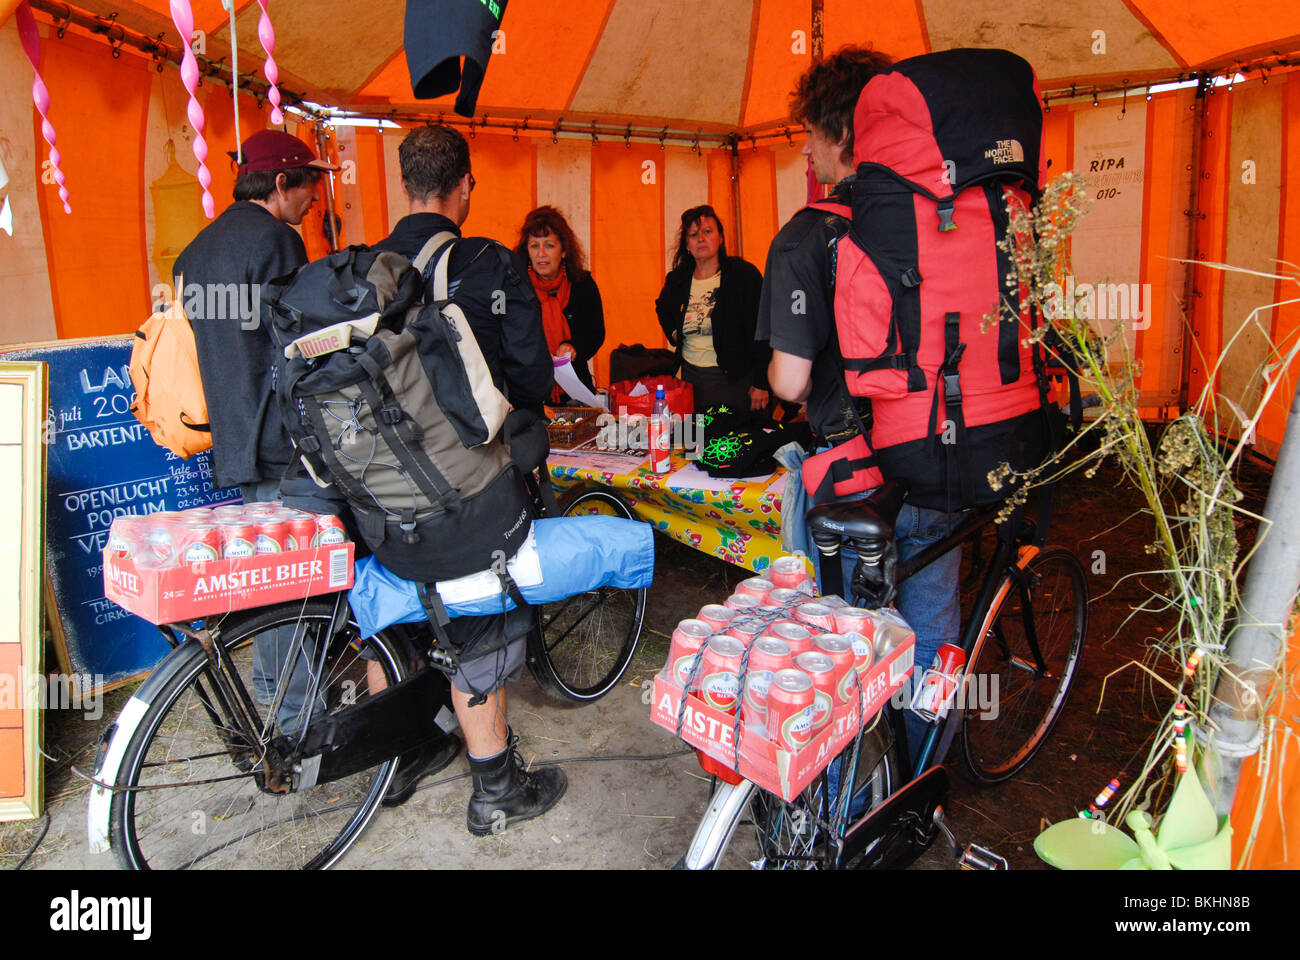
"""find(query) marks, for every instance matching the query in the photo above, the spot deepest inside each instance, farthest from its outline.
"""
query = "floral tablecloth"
(742, 524)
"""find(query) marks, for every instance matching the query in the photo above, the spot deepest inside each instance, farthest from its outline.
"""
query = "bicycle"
(1026, 627)
(203, 775)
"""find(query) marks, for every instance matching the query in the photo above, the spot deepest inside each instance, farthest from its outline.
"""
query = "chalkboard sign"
(102, 464)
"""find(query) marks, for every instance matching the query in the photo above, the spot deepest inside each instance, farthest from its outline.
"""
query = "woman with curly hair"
(572, 314)
(708, 309)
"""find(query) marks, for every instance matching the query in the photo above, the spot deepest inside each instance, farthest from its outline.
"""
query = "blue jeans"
(929, 600)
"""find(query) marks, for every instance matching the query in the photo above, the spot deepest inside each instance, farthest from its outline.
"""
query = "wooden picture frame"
(23, 403)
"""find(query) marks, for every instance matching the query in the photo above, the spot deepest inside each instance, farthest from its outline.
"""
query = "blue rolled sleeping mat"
(576, 554)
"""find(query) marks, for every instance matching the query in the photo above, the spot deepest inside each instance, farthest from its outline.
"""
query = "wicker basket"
(576, 426)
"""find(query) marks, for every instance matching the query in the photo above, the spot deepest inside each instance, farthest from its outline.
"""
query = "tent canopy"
(720, 66)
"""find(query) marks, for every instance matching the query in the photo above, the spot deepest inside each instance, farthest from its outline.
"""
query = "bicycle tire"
(581, 646)
(1028, 699)
(218, 815)
(786, 834)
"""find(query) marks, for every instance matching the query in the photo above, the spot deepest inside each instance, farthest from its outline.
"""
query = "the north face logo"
(1006, 151)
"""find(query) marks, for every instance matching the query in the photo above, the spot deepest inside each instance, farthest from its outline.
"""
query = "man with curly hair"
(796, 314)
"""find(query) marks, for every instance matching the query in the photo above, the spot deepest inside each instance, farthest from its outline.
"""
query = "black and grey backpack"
(386, 394)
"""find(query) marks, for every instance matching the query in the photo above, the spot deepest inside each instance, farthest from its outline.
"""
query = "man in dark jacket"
(488, 283)
(797, 317)
(223, 270)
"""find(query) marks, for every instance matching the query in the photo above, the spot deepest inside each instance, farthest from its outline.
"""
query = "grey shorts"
(491, 672)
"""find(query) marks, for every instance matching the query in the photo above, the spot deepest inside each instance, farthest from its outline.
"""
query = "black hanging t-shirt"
(437, 34)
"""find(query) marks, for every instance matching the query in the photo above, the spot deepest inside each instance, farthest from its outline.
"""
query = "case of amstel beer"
(178, 594)
(170, 568)
(779, 771)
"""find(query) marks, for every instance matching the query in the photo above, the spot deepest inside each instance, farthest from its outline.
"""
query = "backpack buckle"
(391, 415)
(911, 278)
(407, 526)
(946, 221)
(310, 444)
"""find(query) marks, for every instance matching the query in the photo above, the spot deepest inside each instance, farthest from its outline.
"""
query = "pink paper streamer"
(266, 33)
(31, 42)
(183, 17)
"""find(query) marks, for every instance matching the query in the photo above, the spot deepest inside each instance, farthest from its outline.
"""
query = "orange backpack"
(169, 398)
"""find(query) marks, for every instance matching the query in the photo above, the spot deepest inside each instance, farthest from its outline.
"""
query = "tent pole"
(1194, 218)
(334, 227)
(1258, 640)
(733, 144)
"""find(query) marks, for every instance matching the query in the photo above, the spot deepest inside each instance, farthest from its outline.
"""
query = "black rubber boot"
(418, 764)
(505, 793)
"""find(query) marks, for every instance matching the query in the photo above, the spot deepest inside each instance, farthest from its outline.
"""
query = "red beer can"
(790, 700)
(818, 614)
(687, 640)
(788, 572)
(720, 673)
(330, 530)
(159, 546)
(745, 629)
(833, 601)
(197, 543)
(840, 650)
(796, 635)
(716, 616)
(940, 684)
(821, 669)
(758, 587)
(784, 597)
(272, 535)
(766, 657)
(854, 620)
(892, 632)
(238, 539)
(127, 536)
(742, 603)
(303, 531)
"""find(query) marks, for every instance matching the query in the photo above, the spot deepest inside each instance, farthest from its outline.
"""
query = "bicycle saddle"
(860, 521)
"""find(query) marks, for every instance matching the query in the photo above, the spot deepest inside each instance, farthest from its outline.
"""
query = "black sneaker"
(415, 766)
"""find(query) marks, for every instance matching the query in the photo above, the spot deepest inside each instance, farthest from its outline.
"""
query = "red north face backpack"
(943, 142)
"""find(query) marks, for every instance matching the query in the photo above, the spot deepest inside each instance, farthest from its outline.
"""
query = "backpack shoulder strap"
(839, 208)
(431, 246)
(440, 284)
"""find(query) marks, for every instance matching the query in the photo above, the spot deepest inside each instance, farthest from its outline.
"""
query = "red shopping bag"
(680, 395)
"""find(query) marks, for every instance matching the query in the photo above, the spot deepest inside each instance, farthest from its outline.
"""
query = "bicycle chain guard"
(899, 830)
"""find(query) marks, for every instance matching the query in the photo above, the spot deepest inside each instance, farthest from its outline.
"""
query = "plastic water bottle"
(661, 433)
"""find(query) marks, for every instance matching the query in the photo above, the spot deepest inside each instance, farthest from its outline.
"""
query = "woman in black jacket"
(572, 314)
(708, 309)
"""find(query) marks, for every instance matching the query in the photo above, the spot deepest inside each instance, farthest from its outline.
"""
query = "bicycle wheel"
(582, 645)
(197, 795)
(1027, 658)
(788, 835)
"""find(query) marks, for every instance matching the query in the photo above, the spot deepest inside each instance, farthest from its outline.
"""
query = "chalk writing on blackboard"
(103, 464)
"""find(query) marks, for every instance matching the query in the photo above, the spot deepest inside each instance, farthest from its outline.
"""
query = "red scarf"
(554, 295)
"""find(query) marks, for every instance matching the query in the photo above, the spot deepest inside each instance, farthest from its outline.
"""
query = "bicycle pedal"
(976, 857)
(941, 822)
